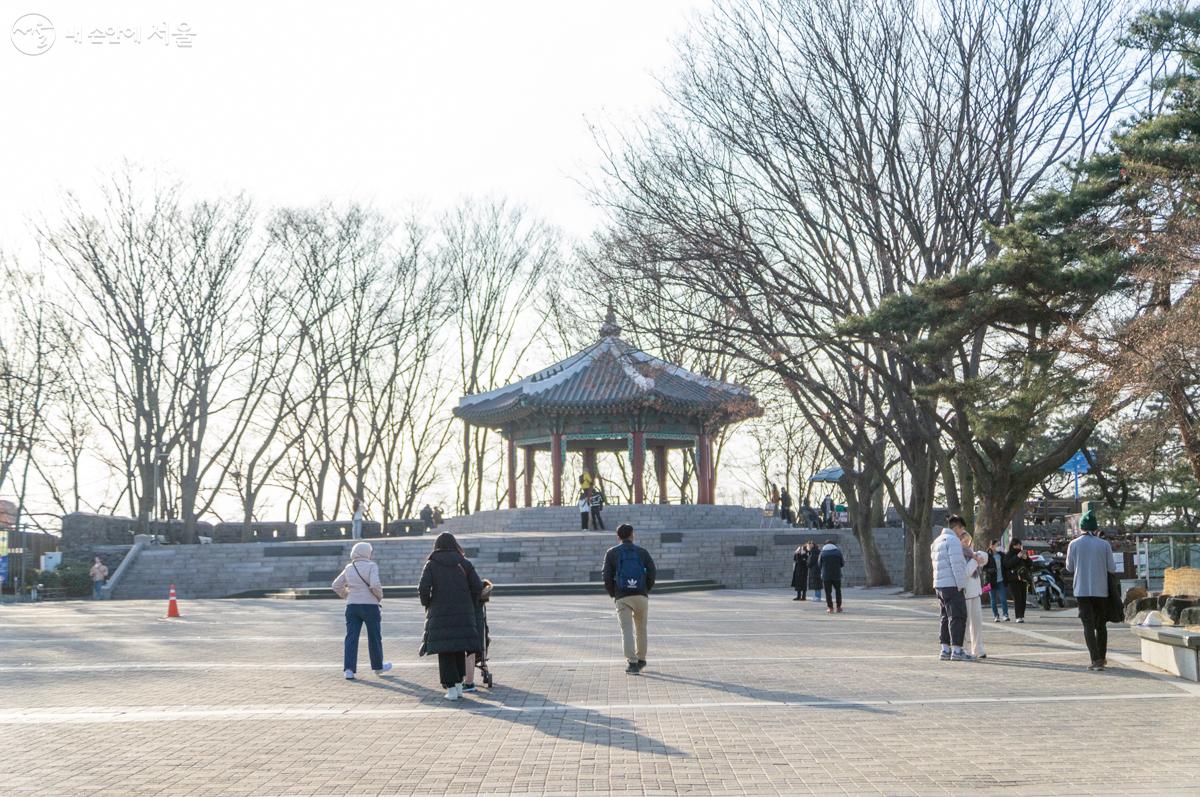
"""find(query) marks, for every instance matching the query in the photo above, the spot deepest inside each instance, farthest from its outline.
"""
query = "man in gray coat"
(1090, 559)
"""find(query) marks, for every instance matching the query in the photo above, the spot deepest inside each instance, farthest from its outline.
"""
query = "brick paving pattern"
(747, 692)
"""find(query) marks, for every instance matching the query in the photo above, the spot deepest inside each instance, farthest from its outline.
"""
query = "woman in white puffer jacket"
(359, 584)
(973, 593)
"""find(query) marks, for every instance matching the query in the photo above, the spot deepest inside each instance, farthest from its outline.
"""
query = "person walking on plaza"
(994, 576)
(358, 584)
(99, 572)
(949, 580)
(800, 573)
(814, 570)
(973, 595)
(629, 577)
(830, 561)
(1090, 560)
(596, 504)
(449, 591)
(1017, 578)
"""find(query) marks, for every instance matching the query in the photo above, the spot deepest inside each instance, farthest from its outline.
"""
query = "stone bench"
(1176, 650)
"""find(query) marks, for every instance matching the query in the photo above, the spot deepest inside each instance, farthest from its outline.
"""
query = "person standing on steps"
(356, 521)
(359, 585)
(830, 562)
(585, 510)
(1090, 560)
(814, 570)
(827, 512)
(596, 504)
(785, 506)
(629, 577)
(99, 573)
(800, 573)
(1018, 576)
(449, 591)
(949, 580)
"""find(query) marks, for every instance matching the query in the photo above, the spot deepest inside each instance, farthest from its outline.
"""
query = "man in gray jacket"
(1090, 559)
(949, 579)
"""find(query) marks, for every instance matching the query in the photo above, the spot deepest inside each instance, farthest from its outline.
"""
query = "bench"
(52, 594)
(1176, 650)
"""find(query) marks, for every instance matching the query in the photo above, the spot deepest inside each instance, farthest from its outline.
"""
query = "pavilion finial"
(610, 328)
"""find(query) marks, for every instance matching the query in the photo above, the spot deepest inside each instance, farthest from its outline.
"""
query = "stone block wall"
(83, 534)
(737, 558)
(643, 517)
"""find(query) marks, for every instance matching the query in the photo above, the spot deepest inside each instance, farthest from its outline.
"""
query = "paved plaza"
(747, 692)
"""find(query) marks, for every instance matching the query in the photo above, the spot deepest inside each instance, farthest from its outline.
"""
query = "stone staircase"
(643, 517)
(499, 590)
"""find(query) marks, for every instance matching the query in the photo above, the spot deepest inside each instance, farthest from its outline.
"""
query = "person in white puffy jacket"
(949, 581)
(359, 584)
(973, 595)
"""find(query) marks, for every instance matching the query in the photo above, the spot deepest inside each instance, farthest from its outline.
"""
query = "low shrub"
(76, 579)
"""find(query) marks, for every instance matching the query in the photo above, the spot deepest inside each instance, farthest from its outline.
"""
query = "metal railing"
(1156, 551)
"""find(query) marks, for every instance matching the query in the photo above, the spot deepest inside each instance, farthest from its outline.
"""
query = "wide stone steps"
(502, 590)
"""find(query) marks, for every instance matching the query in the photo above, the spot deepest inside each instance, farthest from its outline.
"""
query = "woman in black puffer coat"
(449, 591)
(800, 572)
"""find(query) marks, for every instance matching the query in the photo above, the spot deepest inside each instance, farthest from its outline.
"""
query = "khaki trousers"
(631, 612)
(973, 641)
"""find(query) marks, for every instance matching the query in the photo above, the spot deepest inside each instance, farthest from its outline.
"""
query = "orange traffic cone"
(172, 607)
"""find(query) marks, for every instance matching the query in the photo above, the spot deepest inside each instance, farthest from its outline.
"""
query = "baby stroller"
(481, 659)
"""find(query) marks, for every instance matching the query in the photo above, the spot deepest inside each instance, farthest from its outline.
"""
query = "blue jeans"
(999, 596)
(356, 615)
(96, 585)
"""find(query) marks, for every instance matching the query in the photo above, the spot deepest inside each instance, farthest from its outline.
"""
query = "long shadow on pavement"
(765, 694)
(557, 720)
(1110, 672)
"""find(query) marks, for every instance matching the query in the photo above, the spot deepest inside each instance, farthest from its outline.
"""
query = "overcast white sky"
(394, 104)
(384, 102)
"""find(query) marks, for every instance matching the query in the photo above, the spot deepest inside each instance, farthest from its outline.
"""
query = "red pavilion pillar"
(512, 473)
(660, 472)
(639, 467)
(556, 468)
(529, 465)
(702, 469)
(712, 474)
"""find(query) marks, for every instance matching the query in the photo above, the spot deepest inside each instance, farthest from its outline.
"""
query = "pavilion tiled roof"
(610, 377)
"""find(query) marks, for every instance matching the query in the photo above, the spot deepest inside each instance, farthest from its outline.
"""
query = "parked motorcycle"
(1047, 582)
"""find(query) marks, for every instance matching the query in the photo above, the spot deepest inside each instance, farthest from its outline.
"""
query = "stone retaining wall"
(643, 517)
(735, 558)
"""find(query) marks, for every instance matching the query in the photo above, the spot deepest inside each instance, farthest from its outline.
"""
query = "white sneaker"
(387, 665)
(995, 619)
(452, 693)
(349, 675)
(459, 688)
(1020, 619)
